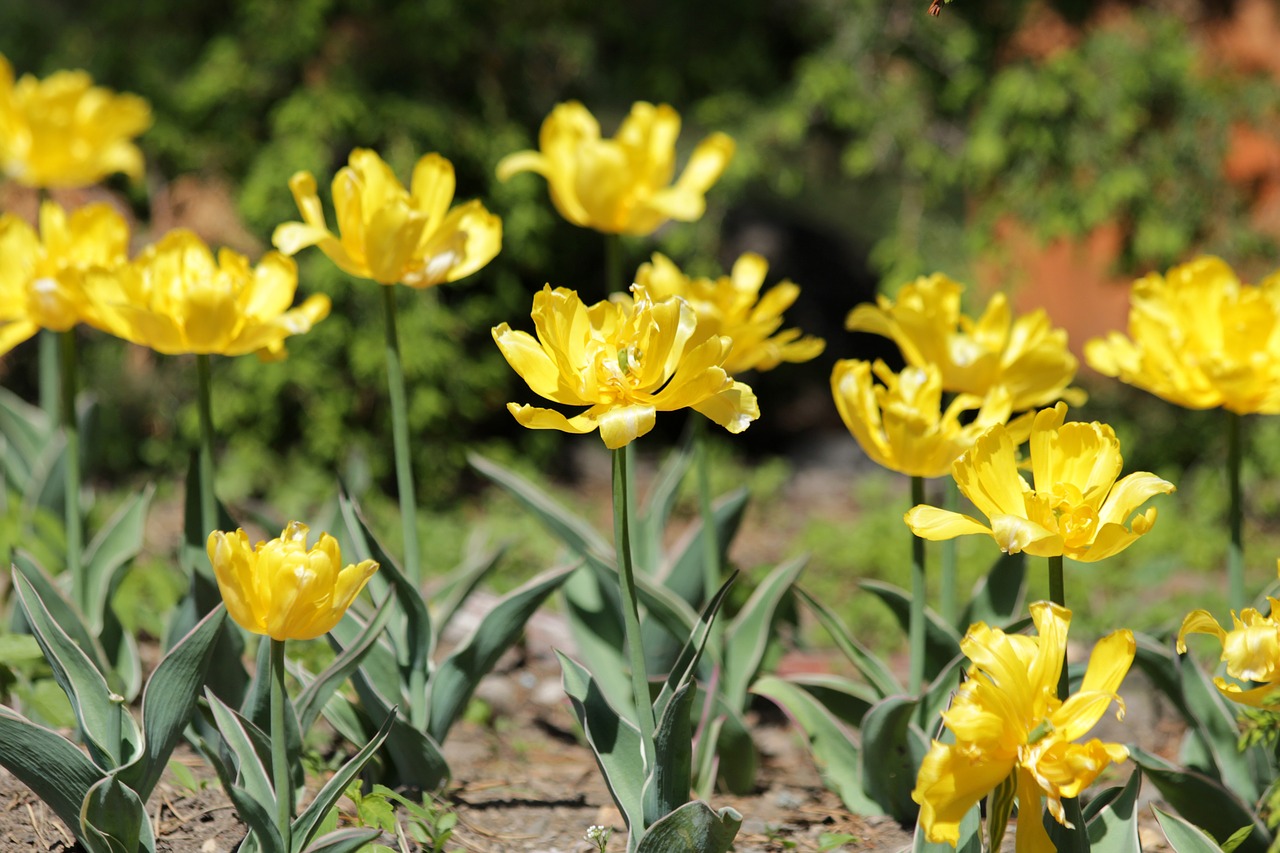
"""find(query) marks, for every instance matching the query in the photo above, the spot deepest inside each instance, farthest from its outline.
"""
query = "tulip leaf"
(747, 636)
(1112, 818)
(693, 826)
(455, 680)
(1216, 727)
(45, 483)
(868, 665)
(834, 748)
(666, 788)
(937, 694)
(1203, 800)
(1001, 594)
(686, 664)
(739, 758)
(256, 708)
(118, 542)
(114, 819)
(47, 763)
(347, 840)
(594, 615)
(706, 756)
(1183, 835)
(250, 749)
(847, 700)
(970, 840)
(651, 521)
(308, 823)
(61, 610)
(462, 581)
(614, 739)
(892, 749)
(169, 700)
(313, 697)
(414, 755)
(941, 642)
(26, 427)
(106, 724)
(378, 664)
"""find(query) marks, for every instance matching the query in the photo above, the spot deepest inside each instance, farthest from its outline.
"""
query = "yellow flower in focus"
(621, 185)
(1011, 726)
(732, 305)
(1199, 339)
(1076, 508)
(1251, 651)
(282, 588)
(64, 131)
(625, 360)
(176, 298)
(42, 275)
(389, 234)
(900, 424)
(1026, 355)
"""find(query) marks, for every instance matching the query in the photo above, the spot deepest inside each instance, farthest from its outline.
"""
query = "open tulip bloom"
(1250, 650)
(63, 131)
(1011, 726)
(625, 361)
(1075, 506)
(1026, 355)
(621, 185)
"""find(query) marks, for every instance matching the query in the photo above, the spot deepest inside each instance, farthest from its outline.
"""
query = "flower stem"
(710, 541)
(400, 437)
(204, 401)
(1235, 513)
(915, 627)
(50, 390)
(630, 607)
(280, 746)
(71, 471)
(1058, 595)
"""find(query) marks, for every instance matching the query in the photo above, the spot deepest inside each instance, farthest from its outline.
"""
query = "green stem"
(630, 606)
(613, 263)
(947, 602)
(204, 402)
(1058, 595)
(711, 572)
(400, 436)
(280, 746)
(50, 374)
(1235, 513)
(71, 471)
(915, 628)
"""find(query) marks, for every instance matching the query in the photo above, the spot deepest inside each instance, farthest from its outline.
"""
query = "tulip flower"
(63, 131)
(176, 298)
(621, 185)
(42, 277)
(1026, 355)
(732, 306)
(1012, 729)
(283, 589)
(625, 362)
(1251, 651)
(1075, 508)
(389, 234)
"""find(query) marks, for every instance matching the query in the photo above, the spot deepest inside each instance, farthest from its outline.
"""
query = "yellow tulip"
(42, 276)
(389, 234)
(1076, 508)
(1200, 339)
(64, 131)
(731, 305)
(625, 360)
(176, 298)
(282, 588)
(1026, 355)
(1010, 726)
(621, 185)
(1251, 651)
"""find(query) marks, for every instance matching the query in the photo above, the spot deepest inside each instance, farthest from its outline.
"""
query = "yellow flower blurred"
(1010, 726)
(389, 234)
(42, 276)
(1251, 651)
(63, 131)
(1076, 508)
(621, 185)
(625, 360)
(176, 298)
(1026, 355)
(900, 424)
(731, 305)
(1200, 339)
(282, 588)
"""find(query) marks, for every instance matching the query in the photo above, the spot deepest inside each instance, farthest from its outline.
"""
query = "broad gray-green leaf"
(941, 642)
(651, 521)
(872, 668)
(593, 613)
(48, 764)
(686, 664)
(1244, 773)
(999, 596)
(251, 751)
(671, 773)
(937, 695)
(1183, 835)
(118, 542)
(739, 758)
(847, 700)
(892, 749)
(66, 614)
(313, 697)
(114, 820)
(693, 826)
(748, 635)
(347, 840)
(1113, 819)
(1203, 800)
(414, 755)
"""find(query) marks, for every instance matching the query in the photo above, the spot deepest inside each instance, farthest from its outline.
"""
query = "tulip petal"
(935, 524)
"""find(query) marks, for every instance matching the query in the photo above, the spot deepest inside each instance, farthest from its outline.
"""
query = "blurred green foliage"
(868, 119)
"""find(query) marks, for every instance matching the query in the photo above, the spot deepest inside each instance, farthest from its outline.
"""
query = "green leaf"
(941, 642)
(1113, 819)
(47, 763)
(118, 542)
(307, 823)
(834, 749)
(457, 587)
(614, 739)
(250, 749)
(414, 755)
(847, 700)
(456, 678)
(671, 773)
(594, 615)
(693, 826)
(739, 760)
(651, 522)
(311, 700)
(60, 608)
(169, 700)
(686, 665)
(1183, 835)
(1202, 800)
(1000, 595)
(114, 819)
(748, 635)
(872, 668)
(1214, 724)
(937, 695)
(347, 840)
(106, 724)
(892, 749)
